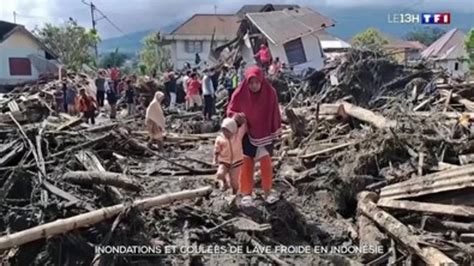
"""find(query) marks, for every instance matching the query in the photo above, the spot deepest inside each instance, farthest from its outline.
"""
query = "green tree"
(154, 57)
(72, 43)
(370, 39)
(115, 59)
(470, 48)
(425, 35)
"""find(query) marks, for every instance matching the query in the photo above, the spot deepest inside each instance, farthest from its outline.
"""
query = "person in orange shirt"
(228, 154)
(87, 106)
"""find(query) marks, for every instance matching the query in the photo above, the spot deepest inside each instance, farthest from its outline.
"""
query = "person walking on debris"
(186, 79)
(59, 99)
(155, 120)
(228, 154)
(234, 81)
(112, 100)
(114, 74)
(64, 89)
(264, 57)
(193, 96)
(215, 74)
(130, 98)
(100, 86)
(208, 93)
(241, 71)
(275, 67)
(71, 98)
(87, 106)
(255, 102)
(171, 87)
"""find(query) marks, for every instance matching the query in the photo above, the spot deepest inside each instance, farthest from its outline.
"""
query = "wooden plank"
(399, 231)
(445, 209)
(13, 106)
(73, 122)
(458, 178)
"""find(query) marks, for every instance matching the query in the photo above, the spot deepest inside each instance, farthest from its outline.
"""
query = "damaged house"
(297, 44)
(23, 57)
(449, 53)
(196, 34)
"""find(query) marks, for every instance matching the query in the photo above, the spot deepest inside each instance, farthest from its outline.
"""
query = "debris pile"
(356, 166)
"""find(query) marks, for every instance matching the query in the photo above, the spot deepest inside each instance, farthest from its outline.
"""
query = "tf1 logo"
(436, 18)
(423, 18)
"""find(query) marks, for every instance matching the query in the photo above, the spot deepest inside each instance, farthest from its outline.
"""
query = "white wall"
(18, 44)
(179, 56)
(311, 45)
(449, 65)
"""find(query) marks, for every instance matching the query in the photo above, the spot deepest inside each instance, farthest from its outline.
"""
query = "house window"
(193, 47)
(295, 52)
(456, 66)
(19, 66)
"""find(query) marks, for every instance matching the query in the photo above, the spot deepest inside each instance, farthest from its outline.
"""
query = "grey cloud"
(135, 15)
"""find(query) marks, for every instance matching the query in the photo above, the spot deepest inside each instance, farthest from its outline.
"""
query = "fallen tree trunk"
(87, 219)
(101, 178)
(366, 115)
(399, 231)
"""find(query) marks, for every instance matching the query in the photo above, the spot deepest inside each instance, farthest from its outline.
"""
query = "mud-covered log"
(62, 226)
(399, 231)
(369, 235)
(366, 115)
(101, 178)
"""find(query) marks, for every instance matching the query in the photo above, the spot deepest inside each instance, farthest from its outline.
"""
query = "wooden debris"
(445, 209)
(367, 116)
(400, 232)
(62, 226)
(454, 179)
(102, 178)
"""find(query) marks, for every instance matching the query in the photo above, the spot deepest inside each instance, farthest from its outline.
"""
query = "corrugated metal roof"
(286, 25)
(448, 46)
(5, 28)
(225, 25)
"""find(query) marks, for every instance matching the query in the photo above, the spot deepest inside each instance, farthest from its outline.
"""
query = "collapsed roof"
(298, 23)
(448, 46)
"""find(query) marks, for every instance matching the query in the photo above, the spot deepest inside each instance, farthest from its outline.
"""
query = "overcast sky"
(136, 15)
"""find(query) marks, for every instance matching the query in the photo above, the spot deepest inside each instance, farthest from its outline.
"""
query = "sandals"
(272, 197)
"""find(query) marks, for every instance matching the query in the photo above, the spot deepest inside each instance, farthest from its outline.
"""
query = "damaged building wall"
(312, 52)
(18, 45)
(180, 55)
(456, 68)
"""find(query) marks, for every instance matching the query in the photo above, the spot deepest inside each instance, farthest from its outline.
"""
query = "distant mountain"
(130, 43)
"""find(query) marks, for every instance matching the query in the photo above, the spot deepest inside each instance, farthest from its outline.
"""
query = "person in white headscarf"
(155, 119)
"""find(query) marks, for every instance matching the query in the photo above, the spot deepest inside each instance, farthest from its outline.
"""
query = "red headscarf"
(261, 108)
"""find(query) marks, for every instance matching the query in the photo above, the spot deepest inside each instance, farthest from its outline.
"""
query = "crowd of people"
(247, 133)
(74, 97)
